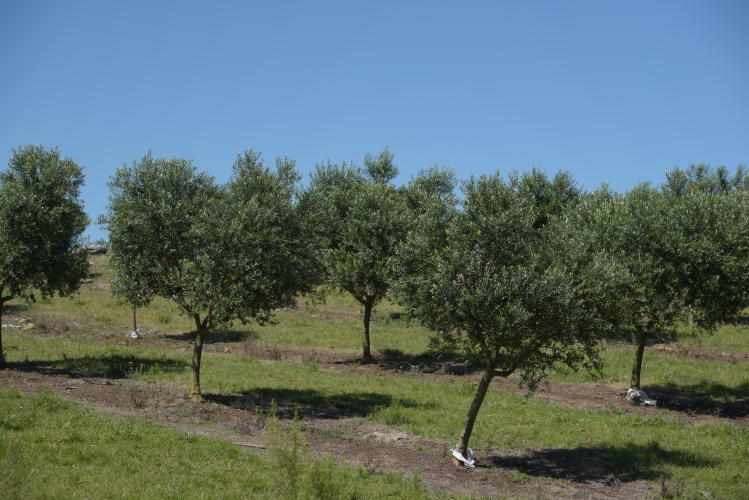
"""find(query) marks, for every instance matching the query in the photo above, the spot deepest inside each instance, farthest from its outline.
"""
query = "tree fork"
(473, 411)
(637, 367)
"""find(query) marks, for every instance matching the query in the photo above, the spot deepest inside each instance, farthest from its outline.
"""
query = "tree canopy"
(41, 222)
(706, 179)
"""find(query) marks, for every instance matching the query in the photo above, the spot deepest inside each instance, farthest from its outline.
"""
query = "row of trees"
(525, 272)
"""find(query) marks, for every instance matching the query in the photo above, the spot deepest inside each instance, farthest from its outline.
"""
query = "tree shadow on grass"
(628, 336)
(15, 308)
(428, 362)
(111, 366)
(216, 336)
(740, 320)
(704, 398)
(307, 403)
(630, 462)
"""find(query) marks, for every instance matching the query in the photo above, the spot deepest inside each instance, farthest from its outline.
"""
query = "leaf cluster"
(551, 197)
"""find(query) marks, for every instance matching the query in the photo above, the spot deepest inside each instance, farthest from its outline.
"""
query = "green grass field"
(50, 448)
(83, 334)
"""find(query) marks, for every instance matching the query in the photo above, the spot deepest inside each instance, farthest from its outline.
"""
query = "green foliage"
(686, 254)
(489, 280)
(227, 253)
(41, 221)
(431, 186)
(221, 253)
(551, 196)
(381, 169)
(363, 219)
(705, 179)
(157, 208)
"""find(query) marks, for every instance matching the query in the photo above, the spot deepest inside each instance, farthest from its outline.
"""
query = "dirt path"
(517, 473)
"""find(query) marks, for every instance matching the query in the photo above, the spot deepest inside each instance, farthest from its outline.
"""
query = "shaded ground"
(349, 439)
(705, 398)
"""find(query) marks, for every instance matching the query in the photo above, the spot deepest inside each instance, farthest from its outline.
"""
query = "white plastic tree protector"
(468, 461)
(640, 396)
(135, 334)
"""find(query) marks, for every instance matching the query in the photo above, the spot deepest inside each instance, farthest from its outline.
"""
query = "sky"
(615, 92)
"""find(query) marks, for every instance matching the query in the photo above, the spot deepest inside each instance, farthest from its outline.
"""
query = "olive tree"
(364, 218)
(41, 222)
(687, 256)
(222, 253)
(486, 278)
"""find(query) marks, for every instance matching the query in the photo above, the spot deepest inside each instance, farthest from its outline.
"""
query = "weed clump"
(300, 475)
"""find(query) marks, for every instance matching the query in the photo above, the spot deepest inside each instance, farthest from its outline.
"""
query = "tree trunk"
(197, 352)
(367, 355)
(465, 434)
(135, 323)
(2, 354)
(635, 382)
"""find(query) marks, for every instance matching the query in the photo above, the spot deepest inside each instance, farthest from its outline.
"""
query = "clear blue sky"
(613, 91)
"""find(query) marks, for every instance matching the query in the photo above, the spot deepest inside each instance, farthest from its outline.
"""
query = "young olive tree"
(488, 279)
(687, 256)
(227, 253)
(41, 222)
(364, 219)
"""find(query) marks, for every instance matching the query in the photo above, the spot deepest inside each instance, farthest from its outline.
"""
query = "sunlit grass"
(50, 448)
(707, 456)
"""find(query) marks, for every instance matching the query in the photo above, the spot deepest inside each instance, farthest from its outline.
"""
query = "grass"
(81, 334)
(578, 444)
(658, 368)
(50, 448)
(335, 325)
